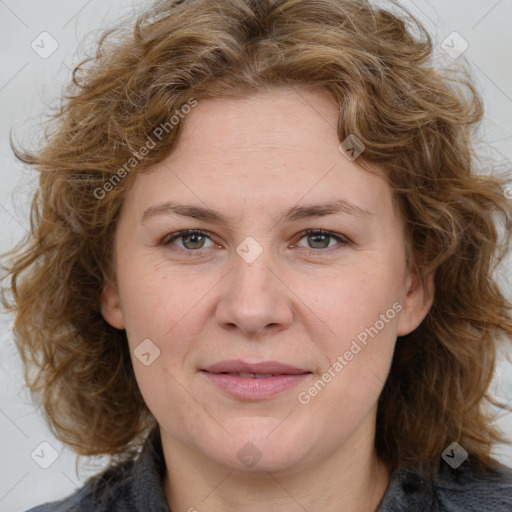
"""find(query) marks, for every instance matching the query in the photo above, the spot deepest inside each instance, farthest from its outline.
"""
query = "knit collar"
(407, 490)
(148, 476)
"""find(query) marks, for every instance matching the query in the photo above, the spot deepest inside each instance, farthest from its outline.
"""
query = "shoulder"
(131, 486)
(472, 487)
(110, 490)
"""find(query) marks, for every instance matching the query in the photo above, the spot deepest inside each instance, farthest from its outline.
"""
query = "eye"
(321, 239)
(192, 240)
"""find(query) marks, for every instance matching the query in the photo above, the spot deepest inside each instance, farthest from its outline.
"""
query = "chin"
(262, 445)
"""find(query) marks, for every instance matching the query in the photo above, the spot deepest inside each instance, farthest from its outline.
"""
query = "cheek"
(161, 309)
(165, 308)
(355, 298)
(356, 354)
(361, 308)
(157, 302)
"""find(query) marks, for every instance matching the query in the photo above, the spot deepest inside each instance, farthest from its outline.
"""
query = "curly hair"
(415, 120)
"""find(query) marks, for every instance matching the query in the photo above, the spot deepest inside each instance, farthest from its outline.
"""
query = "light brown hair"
(414, 120)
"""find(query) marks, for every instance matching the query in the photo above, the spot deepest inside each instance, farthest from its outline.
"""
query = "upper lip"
(265, 367)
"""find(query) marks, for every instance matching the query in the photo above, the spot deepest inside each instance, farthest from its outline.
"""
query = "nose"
(255, 299)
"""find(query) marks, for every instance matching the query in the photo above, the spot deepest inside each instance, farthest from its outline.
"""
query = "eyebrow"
(292, 214)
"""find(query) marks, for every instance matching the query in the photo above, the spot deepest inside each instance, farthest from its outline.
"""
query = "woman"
(260, 250)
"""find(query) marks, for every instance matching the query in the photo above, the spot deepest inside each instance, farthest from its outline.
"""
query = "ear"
(111, 306)
(417, 302)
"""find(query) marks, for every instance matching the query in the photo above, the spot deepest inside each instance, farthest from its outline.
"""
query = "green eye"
(193, 240)
(321, 238)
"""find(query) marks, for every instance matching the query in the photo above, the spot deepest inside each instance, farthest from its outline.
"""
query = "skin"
(301, 302)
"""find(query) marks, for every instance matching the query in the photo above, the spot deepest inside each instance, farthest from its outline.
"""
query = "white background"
(28, 81)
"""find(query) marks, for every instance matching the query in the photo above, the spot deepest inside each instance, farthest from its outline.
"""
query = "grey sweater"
(136, 486)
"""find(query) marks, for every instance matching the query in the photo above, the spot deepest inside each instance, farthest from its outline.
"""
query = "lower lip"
(255, 389)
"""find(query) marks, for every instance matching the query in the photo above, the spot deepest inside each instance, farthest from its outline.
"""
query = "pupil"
(196, 239)
(325, 237)
(188, 237)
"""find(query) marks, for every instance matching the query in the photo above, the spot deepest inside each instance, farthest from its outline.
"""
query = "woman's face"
(256, 293)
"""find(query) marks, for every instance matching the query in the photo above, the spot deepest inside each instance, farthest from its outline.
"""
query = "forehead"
(279, 118)
(263, 150)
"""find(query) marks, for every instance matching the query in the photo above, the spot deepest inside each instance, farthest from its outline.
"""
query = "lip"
(239, 366)
(284, 377)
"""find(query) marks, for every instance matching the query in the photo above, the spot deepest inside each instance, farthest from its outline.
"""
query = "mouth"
(254, 381)
(267, 368)
(251, 375)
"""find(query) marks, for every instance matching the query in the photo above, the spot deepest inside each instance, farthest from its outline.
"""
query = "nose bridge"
(253, 276)
(254, 299)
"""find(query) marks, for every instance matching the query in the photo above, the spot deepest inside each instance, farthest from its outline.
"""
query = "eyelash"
(167, 240)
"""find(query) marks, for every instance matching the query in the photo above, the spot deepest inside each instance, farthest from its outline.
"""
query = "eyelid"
(169, 238)
(317, 231)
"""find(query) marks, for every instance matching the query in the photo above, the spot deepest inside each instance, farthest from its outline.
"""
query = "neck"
(357, 484)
